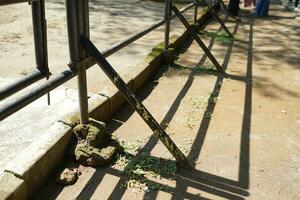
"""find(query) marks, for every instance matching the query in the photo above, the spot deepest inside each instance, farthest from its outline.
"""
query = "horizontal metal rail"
(132, 38)
(7, 2)
(20, 84)
(22, 101)
(57, 80)
(40, 49)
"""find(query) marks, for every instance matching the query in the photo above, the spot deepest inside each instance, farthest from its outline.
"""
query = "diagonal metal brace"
(135, 103)
(197, 38)
(214, 15)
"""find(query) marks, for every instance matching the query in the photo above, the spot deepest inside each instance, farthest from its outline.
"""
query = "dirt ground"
(242, 129)
(110, 22)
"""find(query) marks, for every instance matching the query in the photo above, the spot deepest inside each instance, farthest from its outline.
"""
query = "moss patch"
(156, 51)
(93, 146)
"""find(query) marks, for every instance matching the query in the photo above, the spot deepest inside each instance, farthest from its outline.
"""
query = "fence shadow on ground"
(226, 188)
(203, 181)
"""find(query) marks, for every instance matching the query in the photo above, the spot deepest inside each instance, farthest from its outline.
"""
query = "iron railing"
(40, 46)
(78, 24)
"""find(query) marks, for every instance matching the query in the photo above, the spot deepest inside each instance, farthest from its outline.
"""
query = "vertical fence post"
(77, 21)
(196, 11)
(82, 84)
(86, 21)
(167, 27)
(40, 37)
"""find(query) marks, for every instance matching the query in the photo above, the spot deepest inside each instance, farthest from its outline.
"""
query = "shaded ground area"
(241, 129)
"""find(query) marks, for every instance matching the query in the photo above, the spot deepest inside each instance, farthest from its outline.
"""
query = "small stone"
(94, 147)
(146, 189)
(78, 170)
(82, 152)
(96, 135)
(67, 177)
(100, 157)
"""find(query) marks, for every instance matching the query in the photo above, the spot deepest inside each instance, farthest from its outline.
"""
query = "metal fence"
(78, 25)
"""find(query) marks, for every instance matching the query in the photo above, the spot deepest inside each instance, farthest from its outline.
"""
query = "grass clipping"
(219, 36)
(144, 172)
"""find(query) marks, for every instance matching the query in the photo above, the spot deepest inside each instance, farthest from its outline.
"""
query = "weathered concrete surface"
(29, 124)
(12, 187)
(34, 164)
(243, 129)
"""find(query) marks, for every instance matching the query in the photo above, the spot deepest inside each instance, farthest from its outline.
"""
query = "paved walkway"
(242, 129)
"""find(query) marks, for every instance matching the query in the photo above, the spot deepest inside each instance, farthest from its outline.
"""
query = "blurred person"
(262, 8)
(249, 3)
(297, 9)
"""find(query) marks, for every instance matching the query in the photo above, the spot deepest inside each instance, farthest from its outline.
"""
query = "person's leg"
(257, 7)
(297, 9)
(233, 7)
(262, 8)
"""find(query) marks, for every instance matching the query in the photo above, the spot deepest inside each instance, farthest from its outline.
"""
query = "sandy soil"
(110, 22)
(242, 129)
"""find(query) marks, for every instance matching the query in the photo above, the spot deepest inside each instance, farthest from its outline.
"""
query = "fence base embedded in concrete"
(136, 103)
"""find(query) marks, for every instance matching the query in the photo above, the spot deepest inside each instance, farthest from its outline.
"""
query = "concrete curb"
(25, 174)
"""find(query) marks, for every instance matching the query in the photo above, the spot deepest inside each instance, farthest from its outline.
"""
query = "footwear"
(297, 9)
